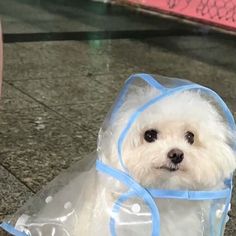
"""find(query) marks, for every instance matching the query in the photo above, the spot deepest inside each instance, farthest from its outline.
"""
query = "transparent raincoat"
(98, 195)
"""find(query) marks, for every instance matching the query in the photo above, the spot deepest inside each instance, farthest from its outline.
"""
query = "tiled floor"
(56, 94)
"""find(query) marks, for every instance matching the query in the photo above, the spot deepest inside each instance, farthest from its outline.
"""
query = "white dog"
(180, 143)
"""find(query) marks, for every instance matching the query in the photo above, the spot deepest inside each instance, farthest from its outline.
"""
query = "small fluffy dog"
(180, 143)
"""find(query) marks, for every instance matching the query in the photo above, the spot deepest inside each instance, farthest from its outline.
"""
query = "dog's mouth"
(169, 168)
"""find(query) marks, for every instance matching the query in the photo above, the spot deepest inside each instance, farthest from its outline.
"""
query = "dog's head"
(180, 142)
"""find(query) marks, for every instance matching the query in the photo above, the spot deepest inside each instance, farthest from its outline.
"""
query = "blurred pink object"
(221, 13)
(1, 58)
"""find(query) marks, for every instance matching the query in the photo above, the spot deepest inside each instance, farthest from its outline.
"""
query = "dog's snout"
(176, 155)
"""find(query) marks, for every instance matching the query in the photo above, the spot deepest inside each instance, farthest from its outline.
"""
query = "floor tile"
(12, 99)
(88, 116)
(37, 144)
(65, 90)
(50, 60)
(13, 193)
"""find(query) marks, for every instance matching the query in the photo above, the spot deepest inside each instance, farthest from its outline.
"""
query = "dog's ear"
(117, 120)
(224, 149)
(108, 143)
(228, 160)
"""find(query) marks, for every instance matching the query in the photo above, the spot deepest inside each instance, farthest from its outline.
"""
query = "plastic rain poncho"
(94, 197)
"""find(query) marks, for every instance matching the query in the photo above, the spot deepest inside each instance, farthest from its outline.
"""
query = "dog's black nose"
(176, 156)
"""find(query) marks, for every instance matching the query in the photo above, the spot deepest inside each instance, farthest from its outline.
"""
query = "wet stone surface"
(13, 193)
(37, 143)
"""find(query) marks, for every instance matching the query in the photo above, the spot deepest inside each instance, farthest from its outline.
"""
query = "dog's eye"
(150, 135)
(189, 136)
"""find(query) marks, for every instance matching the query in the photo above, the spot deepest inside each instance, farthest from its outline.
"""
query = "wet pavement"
(57, 93)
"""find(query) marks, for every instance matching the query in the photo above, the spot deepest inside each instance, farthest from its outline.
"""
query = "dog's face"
(179, 143)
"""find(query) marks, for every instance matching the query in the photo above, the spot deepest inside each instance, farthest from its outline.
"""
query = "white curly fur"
(206, 164)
